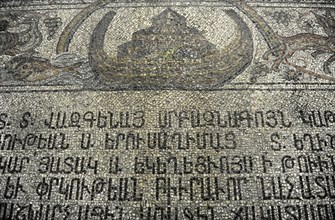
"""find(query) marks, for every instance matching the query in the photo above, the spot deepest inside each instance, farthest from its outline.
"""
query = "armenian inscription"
(137, 160)
(167, 110)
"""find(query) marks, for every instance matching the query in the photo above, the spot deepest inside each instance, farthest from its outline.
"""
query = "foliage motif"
(319, 44)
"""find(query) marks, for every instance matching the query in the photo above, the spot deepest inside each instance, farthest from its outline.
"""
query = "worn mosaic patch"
(115, 109)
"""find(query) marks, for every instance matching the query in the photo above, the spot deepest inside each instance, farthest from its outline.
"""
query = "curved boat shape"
(98, 58)
(211, 68)
(75, 23)
(269, 35)
(209, 72)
